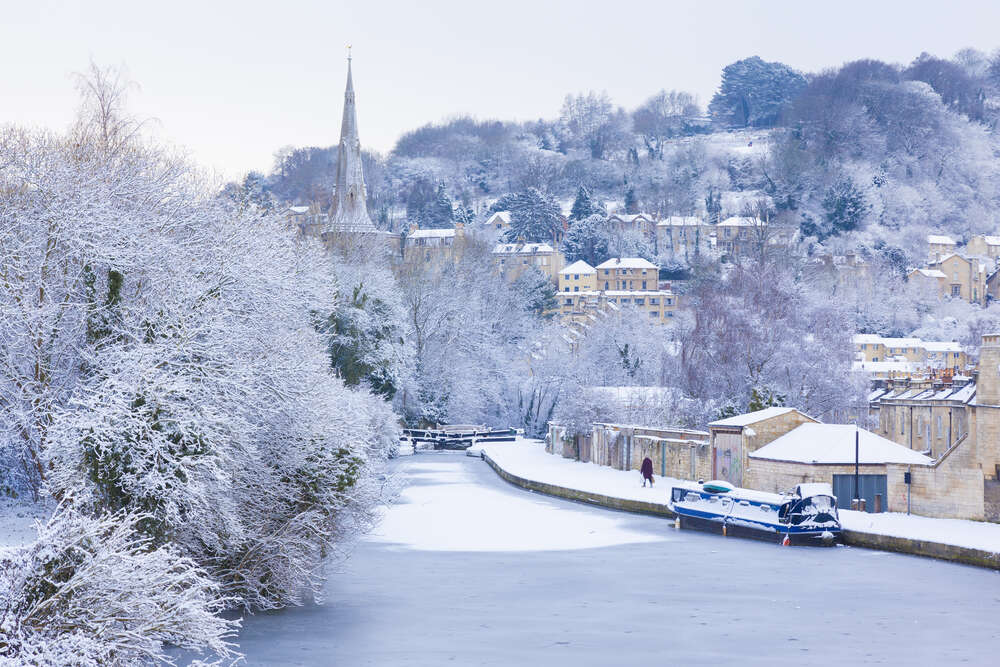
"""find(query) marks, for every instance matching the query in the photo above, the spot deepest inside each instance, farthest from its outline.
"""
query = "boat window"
(692, 498)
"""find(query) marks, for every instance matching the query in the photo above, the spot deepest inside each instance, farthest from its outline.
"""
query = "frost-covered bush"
(94, 592)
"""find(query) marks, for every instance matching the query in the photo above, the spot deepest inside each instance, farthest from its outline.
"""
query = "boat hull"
(769, 517)
(821, 538)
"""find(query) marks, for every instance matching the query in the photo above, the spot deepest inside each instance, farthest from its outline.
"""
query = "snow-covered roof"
(740, 221)
(431, 233)
(940, 239)
(680, 221)
(752, 417)
(941, 346)
(834, 444)
(930, 273)
(630, 217)
(627, 263)
(502, 216)
(579, 266)
(521, 248)
(991, 240)
(902, 342)
(298, 209)
(884, 366)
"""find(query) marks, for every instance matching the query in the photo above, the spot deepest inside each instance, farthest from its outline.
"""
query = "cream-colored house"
(940, 246)
(578, 277)
(641, 223)
(964, 278)
(436, 247)
(984, 246)
(658, 305)
(684, 236)
(513, 259)
(871, 348)
(499, 221)
(627, 273)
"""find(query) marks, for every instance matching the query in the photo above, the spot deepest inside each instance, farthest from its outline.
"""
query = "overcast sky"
(233, 82)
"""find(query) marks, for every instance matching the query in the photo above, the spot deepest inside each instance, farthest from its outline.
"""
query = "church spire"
(350, 211)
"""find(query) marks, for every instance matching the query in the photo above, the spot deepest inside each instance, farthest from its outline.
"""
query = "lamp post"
(857, 456)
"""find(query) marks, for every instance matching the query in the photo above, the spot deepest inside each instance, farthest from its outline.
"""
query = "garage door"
(868, 486)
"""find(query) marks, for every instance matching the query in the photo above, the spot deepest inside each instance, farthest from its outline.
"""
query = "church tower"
(349, 212)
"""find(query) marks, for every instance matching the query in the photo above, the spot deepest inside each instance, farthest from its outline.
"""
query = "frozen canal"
(467, 570)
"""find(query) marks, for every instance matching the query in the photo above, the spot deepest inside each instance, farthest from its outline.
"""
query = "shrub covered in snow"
(96, 592)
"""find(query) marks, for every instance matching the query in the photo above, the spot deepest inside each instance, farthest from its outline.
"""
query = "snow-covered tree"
(754, 93)
(588, 239)
(585, 205)
(534, 217)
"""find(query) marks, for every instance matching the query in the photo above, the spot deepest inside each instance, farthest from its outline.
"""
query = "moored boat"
(808, 515)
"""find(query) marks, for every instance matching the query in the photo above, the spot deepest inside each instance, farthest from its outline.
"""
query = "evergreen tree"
(534, 217)
(537, 292)
(438, 213)
(588, 239)
(585, 205)
(753, 93)
(631, 201)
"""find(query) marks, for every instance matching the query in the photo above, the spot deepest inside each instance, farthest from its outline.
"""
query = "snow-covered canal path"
(467, 570)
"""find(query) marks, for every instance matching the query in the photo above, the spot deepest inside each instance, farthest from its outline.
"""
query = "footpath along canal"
(466, 569)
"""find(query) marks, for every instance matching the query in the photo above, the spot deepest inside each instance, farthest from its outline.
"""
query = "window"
(670, 302)
(902, 424)
(643, 283)
(567, 288)
(654, 301)
(640, 302)
(956, 290)
(605, 272)
(624, 301)
(940, 427)
(605, 285)
(576, 276)
(654, 313)
(576, 288)
(569, 302)
(669, 314)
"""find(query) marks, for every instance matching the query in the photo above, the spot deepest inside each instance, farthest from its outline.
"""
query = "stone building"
(939, 246)
(675, 452)
(434, 247)
(685, 237)
(734, 438)
(513, 259)
(959, 277)
(957, 425)
(814, 452)
(578, 277)
(987, 247)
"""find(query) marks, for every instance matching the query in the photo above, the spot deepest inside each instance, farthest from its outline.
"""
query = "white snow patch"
(468, 516)
(957, 532)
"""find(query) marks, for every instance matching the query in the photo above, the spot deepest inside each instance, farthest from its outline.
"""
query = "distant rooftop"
(627, 263)
(752, 417)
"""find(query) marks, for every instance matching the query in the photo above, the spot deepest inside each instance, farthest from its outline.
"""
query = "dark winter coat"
(647, 468)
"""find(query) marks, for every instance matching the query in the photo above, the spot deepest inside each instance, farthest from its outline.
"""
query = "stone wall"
(991, 500)
(948, 489)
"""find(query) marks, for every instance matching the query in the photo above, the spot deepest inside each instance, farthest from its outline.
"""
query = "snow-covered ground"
(527, 459)
(17, 521)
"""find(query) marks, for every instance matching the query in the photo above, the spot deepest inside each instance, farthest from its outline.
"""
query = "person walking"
(647, 471)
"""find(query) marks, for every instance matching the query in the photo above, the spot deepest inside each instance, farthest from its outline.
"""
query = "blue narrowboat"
(808, 515)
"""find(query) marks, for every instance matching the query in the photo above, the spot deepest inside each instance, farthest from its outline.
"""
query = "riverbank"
(525, 463)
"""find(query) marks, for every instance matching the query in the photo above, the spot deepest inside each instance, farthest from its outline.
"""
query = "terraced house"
(624, 282)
